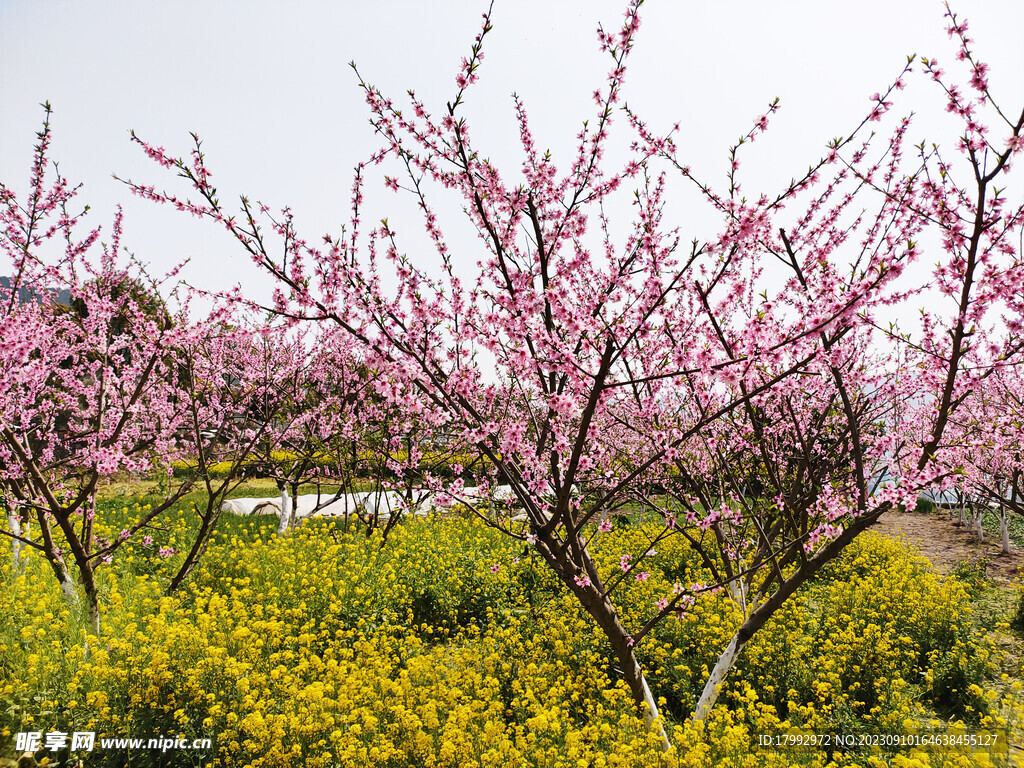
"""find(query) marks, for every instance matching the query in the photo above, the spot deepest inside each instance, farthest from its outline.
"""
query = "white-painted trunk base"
(70, 592)
(714, 684)
(652, 717)
(14, 525)
(286, 510)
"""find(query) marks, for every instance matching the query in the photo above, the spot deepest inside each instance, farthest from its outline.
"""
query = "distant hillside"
(25, 294)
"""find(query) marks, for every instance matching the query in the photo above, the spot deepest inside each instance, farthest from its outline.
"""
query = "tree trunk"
(725, 661)
(206, 528)
(1004, 529)
(603, 612)
(87, 576)
(282, 526)
(717, 677)
(67, 586)
(14, 524)
(93, 602)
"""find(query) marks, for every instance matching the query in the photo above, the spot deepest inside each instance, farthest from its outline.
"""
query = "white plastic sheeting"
(252, 506)
(367, 502)
(325, 505)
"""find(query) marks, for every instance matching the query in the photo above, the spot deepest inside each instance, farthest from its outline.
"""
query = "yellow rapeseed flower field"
(453, 646)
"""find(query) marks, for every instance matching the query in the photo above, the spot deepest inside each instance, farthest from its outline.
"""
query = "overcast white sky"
(267, 86)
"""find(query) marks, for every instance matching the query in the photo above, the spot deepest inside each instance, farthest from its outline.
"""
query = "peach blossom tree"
(744, 387)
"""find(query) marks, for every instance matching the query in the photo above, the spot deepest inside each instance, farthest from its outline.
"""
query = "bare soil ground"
(946, 544)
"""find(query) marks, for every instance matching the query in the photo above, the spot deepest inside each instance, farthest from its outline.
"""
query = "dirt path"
(946, 544)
